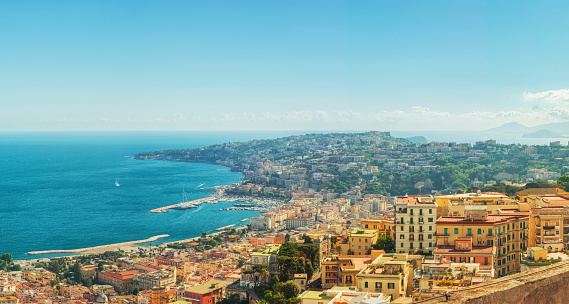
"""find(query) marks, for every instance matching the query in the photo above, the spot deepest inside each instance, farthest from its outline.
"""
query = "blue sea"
(57, 189)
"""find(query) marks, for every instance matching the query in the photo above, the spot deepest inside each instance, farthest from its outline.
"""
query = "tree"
(76, 269)
(290, 289)
(288, 249)
(333, 241)
(8, 258)
(213, 243)
(308, 240)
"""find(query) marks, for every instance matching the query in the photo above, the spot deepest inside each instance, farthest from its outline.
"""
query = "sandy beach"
(99, 249)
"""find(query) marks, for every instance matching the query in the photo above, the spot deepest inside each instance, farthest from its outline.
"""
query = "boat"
(185, 204)
(117, 182)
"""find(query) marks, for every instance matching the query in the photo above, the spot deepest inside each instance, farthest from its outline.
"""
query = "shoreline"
(98, 249)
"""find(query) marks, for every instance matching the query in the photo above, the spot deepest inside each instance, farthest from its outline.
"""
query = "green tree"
(333, 240)
(204, 234)
(308, 240)
(288, 249)
(76, 270)
(290, 289)
(8, 258)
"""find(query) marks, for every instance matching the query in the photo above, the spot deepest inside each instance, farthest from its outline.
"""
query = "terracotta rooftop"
(492, 219)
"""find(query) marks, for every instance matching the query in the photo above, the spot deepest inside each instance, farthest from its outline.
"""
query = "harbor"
(213, 198)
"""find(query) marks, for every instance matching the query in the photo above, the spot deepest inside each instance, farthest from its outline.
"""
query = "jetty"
(219, 193)
(224, 227)
(82, 250)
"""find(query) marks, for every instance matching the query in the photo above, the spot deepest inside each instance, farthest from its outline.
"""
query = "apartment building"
(117, 278)
(415, 224)
(391, 274)
(157, 279)
(383, 225)
(266, 257)
(208, 293)
(342, 269)
(506, 233)
(360, 241)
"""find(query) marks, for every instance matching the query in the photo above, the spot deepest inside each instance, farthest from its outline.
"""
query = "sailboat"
(117, 182)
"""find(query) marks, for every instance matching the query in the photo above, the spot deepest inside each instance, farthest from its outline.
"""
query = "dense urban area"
(354, 218)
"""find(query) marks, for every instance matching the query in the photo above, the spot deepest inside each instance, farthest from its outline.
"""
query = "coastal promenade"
(101, 248)
(219, 192)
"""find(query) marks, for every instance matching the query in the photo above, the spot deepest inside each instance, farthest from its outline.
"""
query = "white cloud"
(427, 112)
(554, 95)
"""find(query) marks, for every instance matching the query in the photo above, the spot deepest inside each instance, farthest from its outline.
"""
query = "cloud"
(554, 95)
(427, 112)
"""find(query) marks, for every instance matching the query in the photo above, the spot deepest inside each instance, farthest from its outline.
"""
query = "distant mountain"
(558, 128)
(542, 134)
(511, 127)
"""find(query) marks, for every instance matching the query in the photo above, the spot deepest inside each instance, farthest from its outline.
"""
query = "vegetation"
(7, 263)
(279, 293)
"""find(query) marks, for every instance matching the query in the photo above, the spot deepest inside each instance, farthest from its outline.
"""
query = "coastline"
(98, 249)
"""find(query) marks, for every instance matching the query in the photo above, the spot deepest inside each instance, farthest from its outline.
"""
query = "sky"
(282, 65)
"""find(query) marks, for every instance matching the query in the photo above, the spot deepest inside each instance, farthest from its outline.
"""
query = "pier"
(220, 191)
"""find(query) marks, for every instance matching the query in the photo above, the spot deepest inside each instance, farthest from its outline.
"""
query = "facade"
(260, 223)
(267, 257)
(208, 293)
(360, 241)
(507, 233)
(463, 251)
(391, 274)
(157, 279)
(384, 226)
(117, 278)
(293, 223)
(342, 269)
(415, 224)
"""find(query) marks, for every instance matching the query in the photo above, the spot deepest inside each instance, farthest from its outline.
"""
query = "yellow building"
(550, 226)
(507, 233)
(391, 274)
(42, 276)
(523, 195)
(548, 200)
(382, 225)
(444, 201)
(359, 241)
(342, 269)
(537, 254)
(415, 224)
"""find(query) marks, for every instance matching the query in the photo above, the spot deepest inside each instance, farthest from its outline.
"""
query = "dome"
(101, 299)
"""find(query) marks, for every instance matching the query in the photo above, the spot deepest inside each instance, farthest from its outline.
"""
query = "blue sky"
(308, 65)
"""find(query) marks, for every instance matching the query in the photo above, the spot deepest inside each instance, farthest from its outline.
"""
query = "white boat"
(117, 182)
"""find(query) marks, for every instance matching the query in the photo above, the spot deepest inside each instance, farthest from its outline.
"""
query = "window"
(411, 221)
(430, 211)
(489, 232)
(411, 212)
(377, 285)
(366, 225)
(420, 211)
(402, 236)
(402, 245)
(486, 261)
(479, 231)
(469, 232)
(390, 285)
(455, 230)
(430, 227)
(430, 244)
(430, 236)
(430, 220)
(446, 231)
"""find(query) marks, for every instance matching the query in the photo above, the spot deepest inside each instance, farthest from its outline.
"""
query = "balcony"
(550, 227)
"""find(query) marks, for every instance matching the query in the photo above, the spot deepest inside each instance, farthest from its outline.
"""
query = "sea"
(58, 191)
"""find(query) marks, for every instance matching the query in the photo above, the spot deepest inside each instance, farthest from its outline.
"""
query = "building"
(342, 269)
(117, 278)
(524, 194)
(507, 233)
(443, 201)
(208, 293)
(157, 279)
(342, 295)
(260, 223)
(293, 223)
(9, 300)
(537, 254)
(39, 275)
(360, 241)
(463, 251)
(383, 225)
(391, 274)
(415, 224)
(266, 257)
